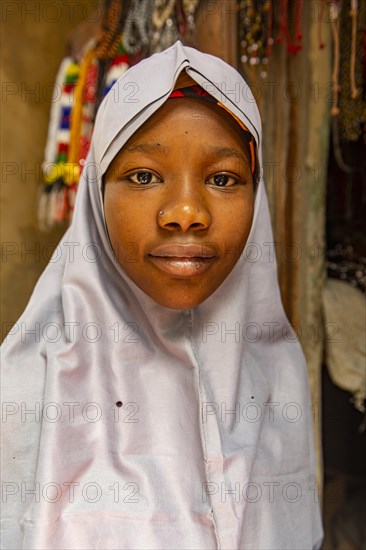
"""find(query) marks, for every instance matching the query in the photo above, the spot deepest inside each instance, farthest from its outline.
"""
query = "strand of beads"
(255, 20)
(109, 38)
(137, 28)
(164, 28)
(189, 10)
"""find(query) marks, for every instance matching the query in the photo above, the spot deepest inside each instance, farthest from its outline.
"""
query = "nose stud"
(161, 213)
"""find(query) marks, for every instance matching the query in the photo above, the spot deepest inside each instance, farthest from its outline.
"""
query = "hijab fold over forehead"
(211, 443)
(146, 86)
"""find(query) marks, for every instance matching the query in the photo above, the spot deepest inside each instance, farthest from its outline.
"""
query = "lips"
(184, 251)
(183, 260)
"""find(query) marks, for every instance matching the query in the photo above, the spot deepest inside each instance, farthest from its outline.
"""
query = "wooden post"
(216, 26)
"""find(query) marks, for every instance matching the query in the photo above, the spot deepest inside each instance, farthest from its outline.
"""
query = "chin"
(180, 303)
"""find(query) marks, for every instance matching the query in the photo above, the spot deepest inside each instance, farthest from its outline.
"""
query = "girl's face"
(179, 202)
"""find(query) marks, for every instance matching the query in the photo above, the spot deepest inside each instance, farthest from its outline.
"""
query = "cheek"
(128, 218)
(246, 220)
(235, 223)
(121, 223)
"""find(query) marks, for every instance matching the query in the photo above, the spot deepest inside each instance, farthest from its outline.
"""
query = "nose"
(184, 214)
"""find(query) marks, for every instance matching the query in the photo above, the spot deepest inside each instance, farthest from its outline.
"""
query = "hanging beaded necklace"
(136, 31)
(256, 30)
(164, 29)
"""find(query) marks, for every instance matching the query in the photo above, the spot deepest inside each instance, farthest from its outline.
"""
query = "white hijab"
(212, 445)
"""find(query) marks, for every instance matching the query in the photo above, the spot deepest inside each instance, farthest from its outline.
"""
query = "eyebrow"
(227, 152)
(147, 148)
(155, 148)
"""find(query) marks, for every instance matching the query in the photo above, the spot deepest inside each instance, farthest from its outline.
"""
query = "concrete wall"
(33, 40)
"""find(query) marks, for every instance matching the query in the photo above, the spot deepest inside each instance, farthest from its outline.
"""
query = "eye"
(143, 177)
(222, 180)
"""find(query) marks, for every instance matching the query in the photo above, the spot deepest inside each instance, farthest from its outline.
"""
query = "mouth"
(183, 260)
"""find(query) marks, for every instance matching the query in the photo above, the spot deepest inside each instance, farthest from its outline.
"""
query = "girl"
(154, 394)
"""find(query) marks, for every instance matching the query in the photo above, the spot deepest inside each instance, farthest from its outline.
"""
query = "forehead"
(197, 117)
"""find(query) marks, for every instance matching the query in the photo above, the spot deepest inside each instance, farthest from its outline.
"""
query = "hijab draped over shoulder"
(128, 425)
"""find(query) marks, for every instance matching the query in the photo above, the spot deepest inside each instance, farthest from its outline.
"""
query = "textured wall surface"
(33, 39)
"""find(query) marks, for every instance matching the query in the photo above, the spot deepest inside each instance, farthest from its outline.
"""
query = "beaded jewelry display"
(189, 9)
(345, 264)
(153, 26)
(348, 22)
(117, 68)
(53, 204)
(137, 29)
(164, 27)
(256, 30)
(110, 35)
(103, 62)
(351, 96)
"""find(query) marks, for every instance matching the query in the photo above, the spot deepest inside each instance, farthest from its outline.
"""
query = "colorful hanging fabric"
(117, 68)
(56, 151)
(61, 100)
(52, 206)
(70, 132)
